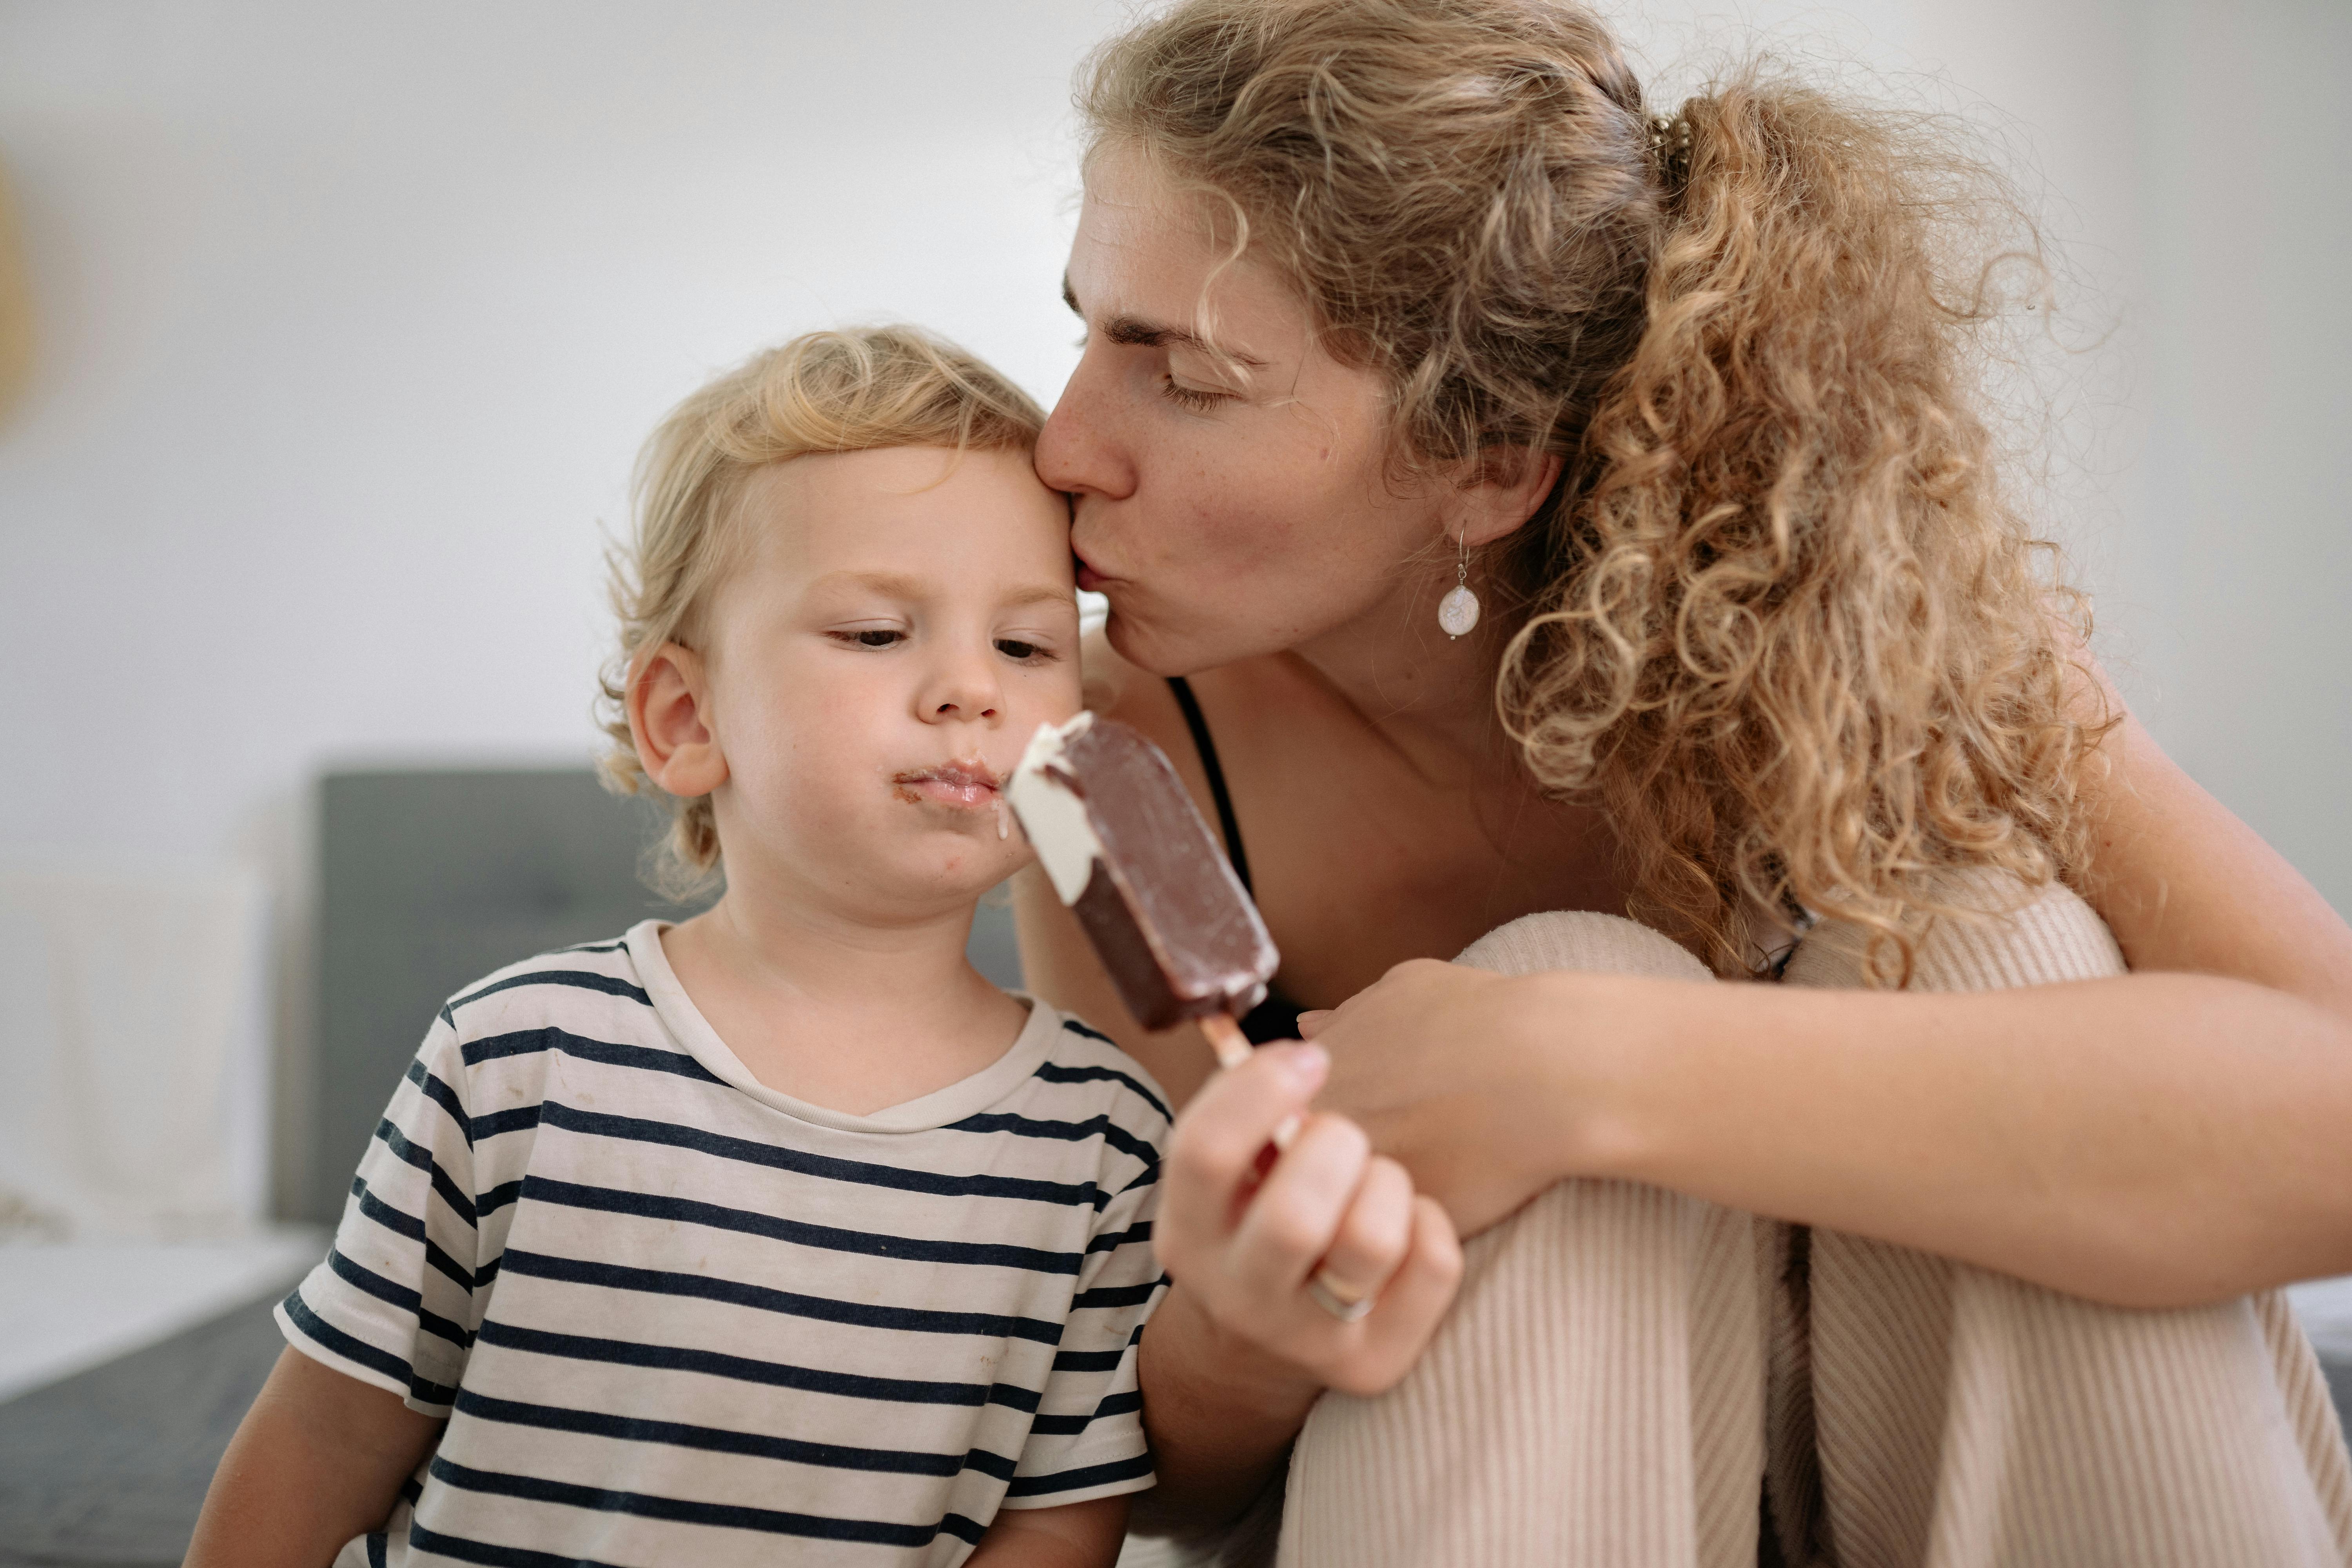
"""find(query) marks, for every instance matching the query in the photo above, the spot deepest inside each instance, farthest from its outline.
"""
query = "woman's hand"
(1439, 1064)
(1243, 1231)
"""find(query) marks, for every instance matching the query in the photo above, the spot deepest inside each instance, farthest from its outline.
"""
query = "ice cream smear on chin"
(1125, 850)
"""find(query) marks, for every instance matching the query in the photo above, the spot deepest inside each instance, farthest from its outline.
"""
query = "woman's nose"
(1079, 451)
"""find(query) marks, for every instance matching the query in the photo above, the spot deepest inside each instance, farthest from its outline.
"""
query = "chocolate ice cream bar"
(1127, 851)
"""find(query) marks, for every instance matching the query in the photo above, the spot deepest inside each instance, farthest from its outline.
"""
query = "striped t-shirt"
(674, 1316)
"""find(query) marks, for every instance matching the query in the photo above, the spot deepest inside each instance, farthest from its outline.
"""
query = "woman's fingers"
(1212, 1155)
(1409, 1311)
(1296, 1214)
(1244, 1230)
(1375, 1234)
(1311, 1023)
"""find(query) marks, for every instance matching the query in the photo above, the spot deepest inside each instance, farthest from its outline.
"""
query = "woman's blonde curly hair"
(848, 391)
(1779, 618)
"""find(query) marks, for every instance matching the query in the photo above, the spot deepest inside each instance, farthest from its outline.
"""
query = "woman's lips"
(971, 785)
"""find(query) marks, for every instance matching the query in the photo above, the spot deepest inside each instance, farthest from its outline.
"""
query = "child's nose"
(966, 690)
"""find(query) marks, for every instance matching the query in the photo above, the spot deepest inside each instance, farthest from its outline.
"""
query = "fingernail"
(1306, 1064)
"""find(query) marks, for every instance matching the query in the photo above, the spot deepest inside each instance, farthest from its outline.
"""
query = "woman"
(1385, 299)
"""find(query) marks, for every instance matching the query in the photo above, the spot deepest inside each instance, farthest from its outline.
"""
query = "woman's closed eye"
(1199, 399)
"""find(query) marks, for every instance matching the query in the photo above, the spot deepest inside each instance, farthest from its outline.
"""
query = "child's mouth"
(972, 786)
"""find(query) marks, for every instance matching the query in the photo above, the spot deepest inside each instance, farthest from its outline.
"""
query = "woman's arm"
(2179, 1135)
(2187, 888)
(318, 1459)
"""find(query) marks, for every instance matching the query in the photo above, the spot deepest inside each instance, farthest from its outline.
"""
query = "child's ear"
(669, 721)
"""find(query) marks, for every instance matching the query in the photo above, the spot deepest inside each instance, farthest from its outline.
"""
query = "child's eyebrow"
(892, 584)
(1136, 332)
(1039, 593)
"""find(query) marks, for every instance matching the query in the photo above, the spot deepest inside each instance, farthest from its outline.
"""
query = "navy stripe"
(492, 1556)
(499, 1196)
(1101, 1127)
(676, 1135)
(406, 1225)
(1070, 1425)
(1116, 1295)
(743, 1368)
(616, 946)
(397, 1295)
(1112, 1240)
(1053, 1072)
(686, 1211)
(680, 1510)
(359, 1351)
(718, 1440)
(418, 1156)
(415, 1154)
(582, 979)
(376, 1549)
(498, 1122)
(861, 1314)
(1088, 1360)
(1084, 1476)
(441, 1094)
(528, 1042)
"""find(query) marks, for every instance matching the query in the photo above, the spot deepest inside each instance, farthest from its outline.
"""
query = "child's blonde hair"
(849, 391)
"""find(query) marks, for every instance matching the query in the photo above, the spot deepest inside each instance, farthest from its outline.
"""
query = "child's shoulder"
(595, 988)
(1083, 1065)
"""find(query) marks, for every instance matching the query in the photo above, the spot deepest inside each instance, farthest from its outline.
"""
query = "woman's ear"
(1504, 488)
(670, 720)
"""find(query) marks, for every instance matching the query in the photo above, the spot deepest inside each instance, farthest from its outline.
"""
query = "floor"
(107, 1468)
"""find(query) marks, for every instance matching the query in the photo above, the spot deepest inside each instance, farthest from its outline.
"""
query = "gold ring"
(1335, 1299)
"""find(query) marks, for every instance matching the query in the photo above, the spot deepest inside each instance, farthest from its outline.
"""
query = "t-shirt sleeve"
(1087, 1439)
(395, 1302)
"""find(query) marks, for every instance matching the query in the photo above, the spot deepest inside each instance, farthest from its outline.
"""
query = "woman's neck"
(1428, 695)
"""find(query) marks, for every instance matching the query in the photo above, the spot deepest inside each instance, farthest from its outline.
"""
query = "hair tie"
(1670, 150)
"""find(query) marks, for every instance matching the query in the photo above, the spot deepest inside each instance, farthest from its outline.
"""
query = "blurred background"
(328, 336)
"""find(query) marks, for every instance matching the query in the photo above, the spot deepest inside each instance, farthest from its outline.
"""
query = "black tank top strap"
(1207, 748)
(1276, 1017)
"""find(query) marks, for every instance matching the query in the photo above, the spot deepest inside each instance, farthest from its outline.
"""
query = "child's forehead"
(914, 510)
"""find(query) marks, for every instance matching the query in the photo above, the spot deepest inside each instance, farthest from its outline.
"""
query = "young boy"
(779, 1235)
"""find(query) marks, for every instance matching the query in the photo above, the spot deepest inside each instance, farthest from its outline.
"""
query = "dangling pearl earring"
(1458, 611)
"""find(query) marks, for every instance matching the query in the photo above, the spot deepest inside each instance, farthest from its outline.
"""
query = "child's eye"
(1192, 397)
(1022, 652)
(871, 637)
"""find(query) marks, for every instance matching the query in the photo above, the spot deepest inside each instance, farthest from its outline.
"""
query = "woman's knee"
(1581, 939)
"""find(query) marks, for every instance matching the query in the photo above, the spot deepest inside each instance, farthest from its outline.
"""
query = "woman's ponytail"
(1797, 641)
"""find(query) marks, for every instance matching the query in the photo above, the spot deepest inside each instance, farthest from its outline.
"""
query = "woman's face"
(1232, 496)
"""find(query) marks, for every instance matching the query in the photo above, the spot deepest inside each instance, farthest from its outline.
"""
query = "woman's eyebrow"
(1137, 332)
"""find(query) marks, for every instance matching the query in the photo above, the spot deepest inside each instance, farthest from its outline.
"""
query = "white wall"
(352, 318)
